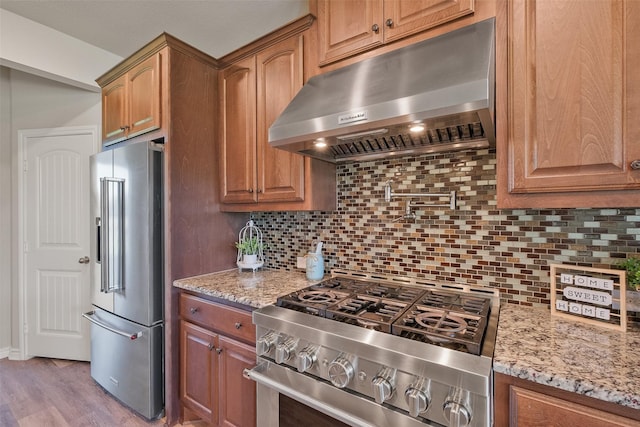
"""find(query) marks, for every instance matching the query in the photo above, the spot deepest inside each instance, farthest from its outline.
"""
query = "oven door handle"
(257, 374)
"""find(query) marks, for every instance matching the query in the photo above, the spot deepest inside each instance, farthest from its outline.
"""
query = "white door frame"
(23, 136)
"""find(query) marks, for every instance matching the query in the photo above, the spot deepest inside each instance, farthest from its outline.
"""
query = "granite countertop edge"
(253, 289)
(569, 355)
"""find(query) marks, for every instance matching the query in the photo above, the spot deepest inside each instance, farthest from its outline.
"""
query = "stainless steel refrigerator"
(127, 275)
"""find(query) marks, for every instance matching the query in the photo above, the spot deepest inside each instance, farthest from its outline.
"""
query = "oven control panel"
(417, 393)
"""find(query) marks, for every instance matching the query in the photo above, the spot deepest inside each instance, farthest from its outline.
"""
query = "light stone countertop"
(253, 289)
(594, 361)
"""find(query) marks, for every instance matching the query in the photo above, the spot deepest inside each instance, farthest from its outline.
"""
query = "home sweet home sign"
(590, 295)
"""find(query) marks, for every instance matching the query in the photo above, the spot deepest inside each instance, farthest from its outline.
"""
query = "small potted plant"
(250, 247)
(632, 267)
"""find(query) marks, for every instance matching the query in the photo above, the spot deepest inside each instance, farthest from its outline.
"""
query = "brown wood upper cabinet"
(348, 27)
(131, 103)
(568, 132)
(254, 89)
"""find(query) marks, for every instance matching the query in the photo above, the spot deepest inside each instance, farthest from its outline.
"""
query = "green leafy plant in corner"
(250, 246)
(632, 265)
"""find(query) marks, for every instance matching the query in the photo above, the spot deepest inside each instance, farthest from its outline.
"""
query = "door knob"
(84, 260)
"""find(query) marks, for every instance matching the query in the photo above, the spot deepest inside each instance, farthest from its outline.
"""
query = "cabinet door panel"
(346, 27)
(238, 118)
(198, 370)
(114, 110)
(410, 17)
(144, 96)
(237, 393)
(279, 69)
(532, 408)
(570, 95)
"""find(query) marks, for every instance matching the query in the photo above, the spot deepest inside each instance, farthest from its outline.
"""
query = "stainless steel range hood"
(364, 111)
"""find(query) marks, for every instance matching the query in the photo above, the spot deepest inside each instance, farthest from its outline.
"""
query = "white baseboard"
(4, 352)
(15, 354)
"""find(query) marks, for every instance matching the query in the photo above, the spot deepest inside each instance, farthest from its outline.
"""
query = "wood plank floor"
(58, 393)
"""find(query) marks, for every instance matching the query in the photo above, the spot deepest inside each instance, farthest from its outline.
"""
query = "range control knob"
(284, 350)
(341, 371)
(383, 384)
(266, 342)
(418, 396)
(457, 409)
(306, 358)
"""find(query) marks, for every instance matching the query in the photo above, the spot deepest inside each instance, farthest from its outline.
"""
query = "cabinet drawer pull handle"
(635, 165)
(375, 28)
(238, 325)
(218, 350)
(211, 347)
(389, 22)
(193, 310)
(123, 128)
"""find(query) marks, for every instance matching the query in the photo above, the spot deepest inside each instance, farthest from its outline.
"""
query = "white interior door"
(56, 242)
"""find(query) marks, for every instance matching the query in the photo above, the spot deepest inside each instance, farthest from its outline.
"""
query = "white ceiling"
(216, 27)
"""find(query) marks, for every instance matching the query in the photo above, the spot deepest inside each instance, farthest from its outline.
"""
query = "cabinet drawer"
(227, 320)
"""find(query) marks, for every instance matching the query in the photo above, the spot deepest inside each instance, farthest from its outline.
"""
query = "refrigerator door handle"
(91, 318)
(112, 234)
(98, 240)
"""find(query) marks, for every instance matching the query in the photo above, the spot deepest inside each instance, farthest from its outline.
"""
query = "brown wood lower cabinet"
(524, 403)
(217, 343)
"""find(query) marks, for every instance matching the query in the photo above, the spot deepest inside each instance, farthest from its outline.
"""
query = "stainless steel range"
(379, 351)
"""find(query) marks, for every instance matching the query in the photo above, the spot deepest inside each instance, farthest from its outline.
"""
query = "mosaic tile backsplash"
(475, 243)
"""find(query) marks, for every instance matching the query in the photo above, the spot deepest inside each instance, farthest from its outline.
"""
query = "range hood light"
(320, 143)
(416, 127)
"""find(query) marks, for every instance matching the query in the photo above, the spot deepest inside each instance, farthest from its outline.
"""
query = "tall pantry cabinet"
(568, 102)
(167, 92)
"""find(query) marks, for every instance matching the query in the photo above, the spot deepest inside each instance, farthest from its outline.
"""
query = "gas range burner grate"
(368, 312)
(446, 317)
(399, 293)
(456, 302)
(313, 300)
(342, 284)
(443, 327)
(322, 297)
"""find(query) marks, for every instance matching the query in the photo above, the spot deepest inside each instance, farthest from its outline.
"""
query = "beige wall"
(28, 102)
(5, 212)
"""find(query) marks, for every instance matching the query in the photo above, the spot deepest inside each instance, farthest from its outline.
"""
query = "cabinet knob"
(389, 22)
(218, 350)
(375, 28)
(193, 310)
(250, 190)
(259, 190)
(238, 325)
(635, 165)
(211, 347)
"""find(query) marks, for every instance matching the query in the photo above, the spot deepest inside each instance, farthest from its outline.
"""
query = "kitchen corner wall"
(475, 243)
